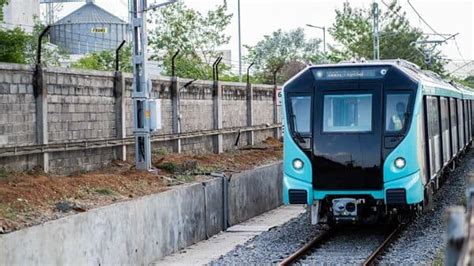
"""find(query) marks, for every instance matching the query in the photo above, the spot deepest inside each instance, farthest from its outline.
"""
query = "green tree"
(353, 30)
(51, 55)
(470, 81)
(105, 60)
(2, 4)
(197, 36)
(17, 46)
(14, 45)
(283, 49)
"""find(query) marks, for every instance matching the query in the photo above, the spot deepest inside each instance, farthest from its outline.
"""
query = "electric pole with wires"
(141, 87)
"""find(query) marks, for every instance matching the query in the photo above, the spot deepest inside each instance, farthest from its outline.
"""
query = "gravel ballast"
(420, 243)
(424, 239)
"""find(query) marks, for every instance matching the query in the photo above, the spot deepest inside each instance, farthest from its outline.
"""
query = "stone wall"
(17, 106)
(74, 124)
(80, 105)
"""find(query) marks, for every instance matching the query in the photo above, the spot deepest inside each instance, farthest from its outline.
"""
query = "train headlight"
(298, 164)
(400, 162)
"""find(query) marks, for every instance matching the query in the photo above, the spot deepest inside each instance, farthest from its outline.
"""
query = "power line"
(422, 19)
(461, 67)
(458, 50)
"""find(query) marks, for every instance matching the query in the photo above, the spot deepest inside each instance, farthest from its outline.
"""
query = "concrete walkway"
(205, 251)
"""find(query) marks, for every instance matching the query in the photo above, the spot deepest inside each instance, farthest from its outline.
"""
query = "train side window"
(396, 112)
(301, 114)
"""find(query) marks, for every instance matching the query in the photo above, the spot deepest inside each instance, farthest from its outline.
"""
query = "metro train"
(365, 141)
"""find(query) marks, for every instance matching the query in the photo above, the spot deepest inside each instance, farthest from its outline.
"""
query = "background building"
(89, 29)
(21, 13)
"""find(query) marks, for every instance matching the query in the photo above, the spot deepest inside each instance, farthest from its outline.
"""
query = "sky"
(262, 17)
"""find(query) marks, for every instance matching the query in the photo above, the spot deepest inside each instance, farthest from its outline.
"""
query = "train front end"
(350, 142)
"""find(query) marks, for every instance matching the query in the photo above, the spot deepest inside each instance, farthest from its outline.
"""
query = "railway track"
(345, 246)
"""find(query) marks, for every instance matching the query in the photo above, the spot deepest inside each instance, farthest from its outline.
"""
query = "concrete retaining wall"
(146, 229)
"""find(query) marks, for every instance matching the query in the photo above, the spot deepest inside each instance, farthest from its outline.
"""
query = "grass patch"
(5, 173)
(439, 259)
(104, 191)
(142, 184)
(185, 178)
(159, 152)
(170, 167)
(7, 211)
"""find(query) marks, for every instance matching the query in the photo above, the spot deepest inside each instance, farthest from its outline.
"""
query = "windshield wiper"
(297, 134)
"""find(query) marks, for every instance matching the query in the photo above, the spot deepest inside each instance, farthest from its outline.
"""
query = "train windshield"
(301, 114)
(347, 113)
(396, 112)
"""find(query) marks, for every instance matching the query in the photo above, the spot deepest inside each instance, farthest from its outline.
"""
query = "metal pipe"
(248, 73)
(117, 55)
(214, 69)
(40, 42)
(275, 73)
(173, 63)
(217, 68)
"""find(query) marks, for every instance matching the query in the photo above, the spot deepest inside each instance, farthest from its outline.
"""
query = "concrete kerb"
(146, 229)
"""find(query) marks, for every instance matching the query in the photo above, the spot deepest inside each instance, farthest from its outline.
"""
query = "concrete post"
(456, 234)
(277, 131)
(120, 124)
(217, 110)
(41, 98)
(250, 134)
(175, 109)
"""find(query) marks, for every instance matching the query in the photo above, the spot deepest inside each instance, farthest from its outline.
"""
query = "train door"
(446, 138)
(347, 136)
(434, 153)
(460, 124)
(454, 126)
(471, 104)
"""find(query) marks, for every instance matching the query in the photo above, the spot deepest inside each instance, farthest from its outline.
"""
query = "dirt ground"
(30, 198)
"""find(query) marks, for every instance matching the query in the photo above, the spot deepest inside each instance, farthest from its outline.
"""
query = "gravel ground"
(420, 243)
(424, 239)
(273, 246)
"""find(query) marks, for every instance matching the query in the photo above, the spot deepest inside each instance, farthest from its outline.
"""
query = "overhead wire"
(422, 19)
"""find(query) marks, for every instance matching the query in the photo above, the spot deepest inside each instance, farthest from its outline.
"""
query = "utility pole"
(141, 86)
(240, 43)
(375, 11)
(324, 35)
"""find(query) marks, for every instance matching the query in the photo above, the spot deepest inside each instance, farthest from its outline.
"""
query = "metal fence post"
(120, 123)
(175, 112)
(217, 107)
(40, 91)
(41, 102)
(277, 131)
(119, 93)
(250, 134)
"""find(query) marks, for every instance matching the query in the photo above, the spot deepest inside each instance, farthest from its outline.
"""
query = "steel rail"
(307, 247)
(373, 256)
(328, 234)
